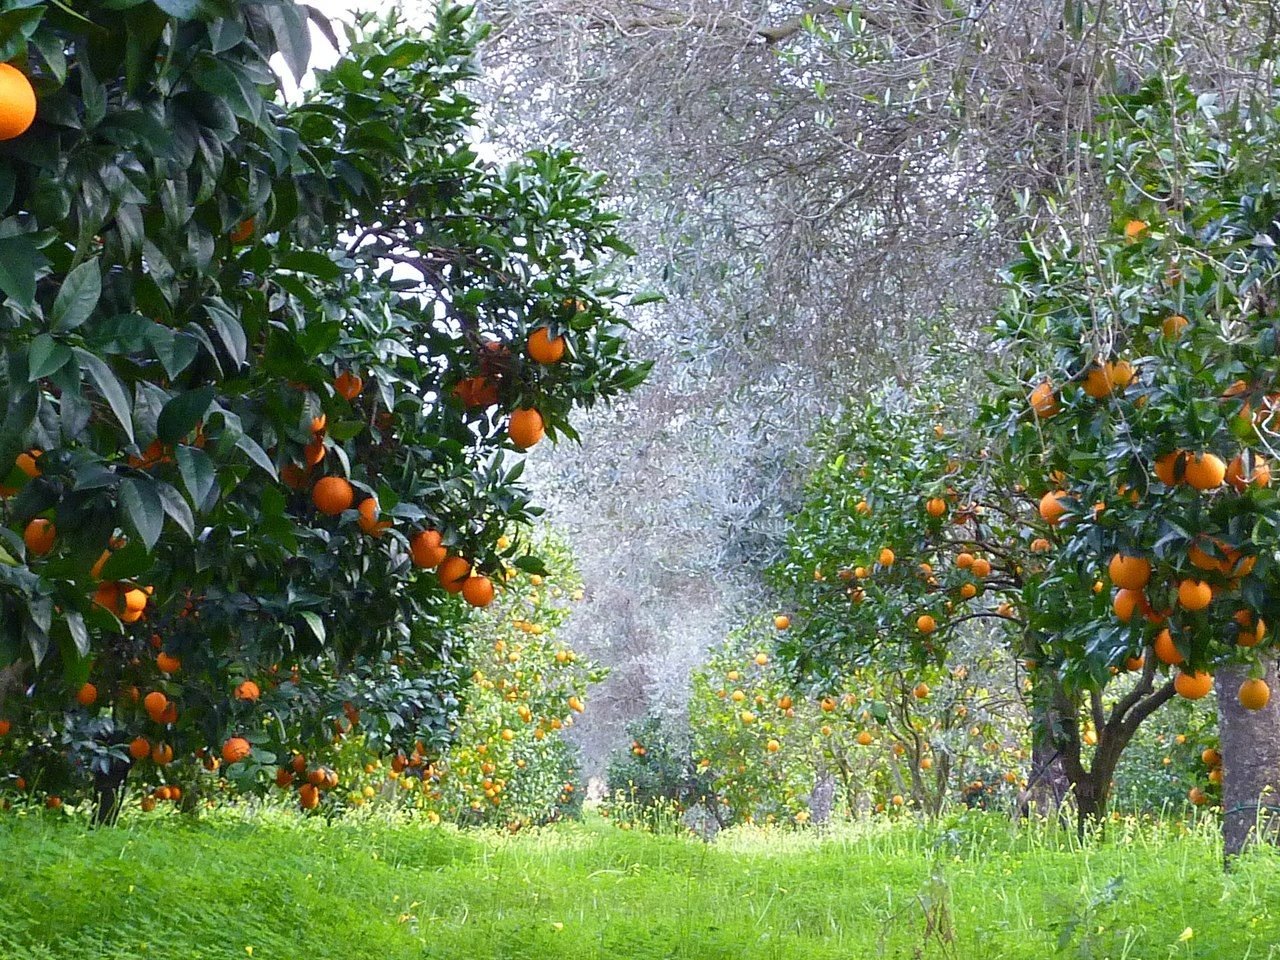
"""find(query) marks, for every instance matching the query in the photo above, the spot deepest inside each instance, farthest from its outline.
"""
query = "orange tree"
(918, 544)
(876, 737)
(263, 371)
(1144, 418)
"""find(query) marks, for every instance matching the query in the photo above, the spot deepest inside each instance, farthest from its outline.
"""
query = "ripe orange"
(936, 507)
(87, 695)
(1194, 594)
(526, 427)
(313, 453)
(1129, 573)
(968, 591)
(926, 624)
(155, 703)
(139, 748)
(348, 385)
(1135, 229)
(1102, 379)
(147, 804)
(1134, 664)
(476, 392)
(26, 462)
(135, 601)
(543, 348)
(243, 231)
(1254, 694)
(1193, 686)
(981, 567)
(964, 560)
(1210, 757)
(1128, 602)
(1242, 476)
(168, 664)
(1053, 506)
(864, 738)
(39, 536)
(1205, 471)
(248, 690)
(235, 750)
(1044, 403)
(773, 746)
(427, 549)
(293, 476)
(781, 622)
(453, 573)
(332, 495)
(1197, 796)
(478, 591)
(1168, 467)
(162, 754)
(1166, 650)
(886, 557)
(920, 691)
(368, 518)
(308, 796)
(17, 102)
(1173, 326)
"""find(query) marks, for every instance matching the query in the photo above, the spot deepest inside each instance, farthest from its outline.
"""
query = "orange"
(368, 518)
(1127, 602)
(147, 804)
(1204, 561)
(1205, 471)
(168, 664)
(17, 102)
(981, 567)
(1044, 404)
(332, 495)
(1129, 573)
(1254, 694)
(1135, 229)
(864, 738)
(781, 622)
(453, 573)
(543, 348)
(1193, 686)
(243, 231)
(1041, 545)
(427, 549)
(313, 453)
(1173, 326)
(920, 691)
(348, 385)
(139, 748)
(87, 695)
(1169, 466)
(1166, 650)
(162, 754)
(478, 591)
(293, 476)
(1197, 796)
(1134, 664)
(936, 507)
(968, 591)
(155, 704)
(1102, 379)
(39, 536)
(235, 750)
(26, 462)
(886, 557)
(926, 624)
(526, 427)
(135, 600)
(284, 777)
(308, 796)
(476, 392)
(1053, 506)
(1194, 594)
(1242, 476)
(964, 560)
(1210, 757)
(248, 690)
(773, 746)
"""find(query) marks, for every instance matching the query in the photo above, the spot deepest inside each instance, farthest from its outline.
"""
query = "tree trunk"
(822, 798)
(1250, 747)
(108, 790)
(1048, 785)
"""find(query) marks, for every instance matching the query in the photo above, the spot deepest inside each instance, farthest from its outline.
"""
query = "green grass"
(973, 889)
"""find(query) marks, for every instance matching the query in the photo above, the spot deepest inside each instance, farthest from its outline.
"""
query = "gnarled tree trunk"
(1250, 747)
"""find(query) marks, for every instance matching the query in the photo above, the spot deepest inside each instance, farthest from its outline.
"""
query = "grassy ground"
(275, 887)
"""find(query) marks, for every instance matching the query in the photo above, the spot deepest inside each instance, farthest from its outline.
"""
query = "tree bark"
(822, 799)
(108, 791)
(1048, 784)
(1250, 747)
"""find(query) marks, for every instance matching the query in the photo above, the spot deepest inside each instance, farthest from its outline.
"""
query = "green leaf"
(197, 473)
(18, 270)
(46, 356)
(143, 508)
(78, 296)
(79, 634)
(127, 563)
(181, 414)
(315, 623)
(256, 454)
(177, 508)
(111, 389)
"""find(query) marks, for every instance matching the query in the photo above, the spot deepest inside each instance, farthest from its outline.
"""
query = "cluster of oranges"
(525, 425)
(311, 781)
